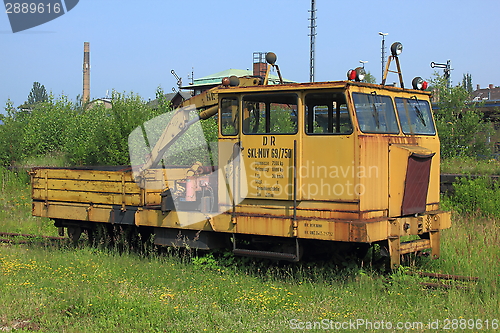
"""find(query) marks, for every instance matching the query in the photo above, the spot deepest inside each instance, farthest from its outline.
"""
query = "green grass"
(60, 288)
(468, 165)
(15, 206)
(54, 159)
(65, 289)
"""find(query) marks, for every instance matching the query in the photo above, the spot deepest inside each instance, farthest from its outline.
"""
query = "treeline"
(80, 135)
(463, 132)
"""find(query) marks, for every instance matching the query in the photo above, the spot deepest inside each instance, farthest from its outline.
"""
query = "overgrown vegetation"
(470, 166)
(15, 206)
(478, 197)
(462, 130)
(89, 135)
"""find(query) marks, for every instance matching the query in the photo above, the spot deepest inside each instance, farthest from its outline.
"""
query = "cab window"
(270, 114)
(415, 116)
(375, 113)
(229, 116)
(326, 113)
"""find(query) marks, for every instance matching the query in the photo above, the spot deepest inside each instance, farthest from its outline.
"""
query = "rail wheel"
(74, 233)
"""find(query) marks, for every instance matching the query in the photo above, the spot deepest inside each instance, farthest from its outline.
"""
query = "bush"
(11, 135)
(85, 136)
(479, 197)
(99, 136)
(45, 129)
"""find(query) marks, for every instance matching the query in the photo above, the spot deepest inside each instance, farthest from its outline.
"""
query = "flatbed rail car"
(327, 165)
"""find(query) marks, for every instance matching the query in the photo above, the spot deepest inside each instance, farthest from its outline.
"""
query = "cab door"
(328, 168)
(268, 143)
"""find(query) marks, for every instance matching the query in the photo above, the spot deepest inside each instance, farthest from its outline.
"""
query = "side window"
(270, 114)
(375, 113)
(326, 113)
(229, 116)
(415, 116)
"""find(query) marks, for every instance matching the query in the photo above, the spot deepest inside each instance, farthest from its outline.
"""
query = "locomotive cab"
(339, 161)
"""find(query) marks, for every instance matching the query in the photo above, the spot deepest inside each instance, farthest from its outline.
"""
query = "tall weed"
(15, 205)
(479, 197)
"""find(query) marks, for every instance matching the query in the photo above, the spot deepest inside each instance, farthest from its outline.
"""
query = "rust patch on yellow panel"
(375, 182)
(414, 246)
(358, 232)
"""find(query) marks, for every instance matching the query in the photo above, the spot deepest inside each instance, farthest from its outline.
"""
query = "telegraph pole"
(313, 40)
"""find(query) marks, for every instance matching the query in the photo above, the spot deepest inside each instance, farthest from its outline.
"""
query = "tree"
(369, 78)
(462, 130)
(467, 83)
(11, 135)
(37, 94)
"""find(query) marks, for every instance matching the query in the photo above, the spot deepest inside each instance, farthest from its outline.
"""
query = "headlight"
(396, 49)
(419, 83)
(357, 74)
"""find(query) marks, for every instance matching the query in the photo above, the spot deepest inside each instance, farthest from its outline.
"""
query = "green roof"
(216, 78)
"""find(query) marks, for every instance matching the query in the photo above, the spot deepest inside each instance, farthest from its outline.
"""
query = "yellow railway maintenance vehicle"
(298, 168)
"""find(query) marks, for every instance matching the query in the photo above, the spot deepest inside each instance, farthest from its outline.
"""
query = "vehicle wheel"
(74, 233)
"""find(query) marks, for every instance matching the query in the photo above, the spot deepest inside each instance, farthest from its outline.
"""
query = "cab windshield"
(415, 116)
(375, 113)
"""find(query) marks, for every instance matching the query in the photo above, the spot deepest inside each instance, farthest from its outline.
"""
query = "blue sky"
(135, 44)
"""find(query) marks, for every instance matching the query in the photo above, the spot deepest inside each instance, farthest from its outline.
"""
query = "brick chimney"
(86, 72)
(259, 64)
(491, 86)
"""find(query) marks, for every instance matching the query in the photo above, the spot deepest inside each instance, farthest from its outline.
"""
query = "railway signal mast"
(447, 71)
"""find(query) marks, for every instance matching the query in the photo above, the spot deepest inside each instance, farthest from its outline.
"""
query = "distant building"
(490, 98)
(101, 101)
(488, 103)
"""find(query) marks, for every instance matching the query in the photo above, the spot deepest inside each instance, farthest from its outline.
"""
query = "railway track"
(447, 180)
(15, 238)
(446, 281)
